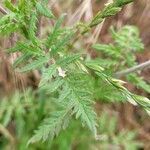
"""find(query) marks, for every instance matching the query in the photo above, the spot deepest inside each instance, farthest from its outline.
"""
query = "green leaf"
(66, 60)
(10, 6)
(63, 42)
(22, 58)
(128, 39)
(8, 28)
(139, 82)
(110, 10)
(109, 50)
(56, 32)
(120, 3)
(47, 74)
(26, 47)
(80, 86)
(33, 28)
(52, 126)
(34, 65)
(44, 10)
(54, 85)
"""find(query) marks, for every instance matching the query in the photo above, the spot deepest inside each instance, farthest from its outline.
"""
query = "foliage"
(121, 54)
(23, 108)
(67, 76)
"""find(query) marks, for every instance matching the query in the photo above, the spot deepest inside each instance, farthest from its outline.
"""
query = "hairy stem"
(133, 69)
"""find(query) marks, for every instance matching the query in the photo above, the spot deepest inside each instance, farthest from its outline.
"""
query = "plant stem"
(3, 11)
(133, 69)
(7, 134)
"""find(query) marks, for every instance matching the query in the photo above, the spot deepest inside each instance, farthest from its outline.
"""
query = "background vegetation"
(118, 43)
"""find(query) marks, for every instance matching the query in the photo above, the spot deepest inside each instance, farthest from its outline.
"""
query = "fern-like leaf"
(51, 70)
(34, 65)
(109, 50)
(52, 126)
(33, 28)
(44, 10)
(80, 87)
(10, 6)
(139, 82)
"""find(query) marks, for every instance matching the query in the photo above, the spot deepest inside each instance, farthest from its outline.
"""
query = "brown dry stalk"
(133, 69)
(7, 134)
(3, 11)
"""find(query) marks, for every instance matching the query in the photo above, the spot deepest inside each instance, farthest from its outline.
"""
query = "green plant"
(76, 137)
(67, 76)
(22, 109)
(118, 56)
